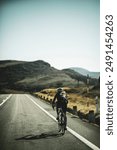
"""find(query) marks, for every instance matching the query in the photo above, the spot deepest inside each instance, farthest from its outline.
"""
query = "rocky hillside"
(81, 79)
(22, 76)
(31, 76)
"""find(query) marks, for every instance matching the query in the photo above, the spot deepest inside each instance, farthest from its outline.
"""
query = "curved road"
(28, 123)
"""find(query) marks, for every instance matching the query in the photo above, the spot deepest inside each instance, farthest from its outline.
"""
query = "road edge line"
(88, 143)
(4, 100)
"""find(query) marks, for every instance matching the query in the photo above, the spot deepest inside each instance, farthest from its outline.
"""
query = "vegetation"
(78, 97)
(41, 78)
(22, 76)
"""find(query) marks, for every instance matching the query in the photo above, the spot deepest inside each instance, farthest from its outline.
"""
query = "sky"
(64, 33)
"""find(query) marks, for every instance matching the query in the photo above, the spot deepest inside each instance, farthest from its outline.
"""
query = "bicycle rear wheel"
(61, 124)
(61, 121)
(63, 129)
(59, 128)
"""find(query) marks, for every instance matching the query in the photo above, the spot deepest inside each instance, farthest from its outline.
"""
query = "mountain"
(23, 76)
(86, 72)
(81, 79)
(31, 76)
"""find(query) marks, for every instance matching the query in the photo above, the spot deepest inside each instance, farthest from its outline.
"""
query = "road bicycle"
(62, 119)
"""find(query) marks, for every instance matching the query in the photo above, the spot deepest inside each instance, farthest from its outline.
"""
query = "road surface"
(28, 123)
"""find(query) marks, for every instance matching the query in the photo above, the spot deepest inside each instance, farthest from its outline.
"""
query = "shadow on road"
(40, 136)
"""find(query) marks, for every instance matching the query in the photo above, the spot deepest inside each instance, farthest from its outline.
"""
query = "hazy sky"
(64, 33)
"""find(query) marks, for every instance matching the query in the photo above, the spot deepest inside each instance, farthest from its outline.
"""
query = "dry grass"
(84, 104)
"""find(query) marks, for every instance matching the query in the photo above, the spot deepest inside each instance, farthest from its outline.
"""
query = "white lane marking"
(91, 145)
(4, 100)
(42, 108)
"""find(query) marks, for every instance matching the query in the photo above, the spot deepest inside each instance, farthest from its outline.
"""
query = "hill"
(81, 79)
(30, 76)
(23, 76)
(86, 72)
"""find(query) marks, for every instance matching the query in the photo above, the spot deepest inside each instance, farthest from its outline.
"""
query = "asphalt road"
(27, 123)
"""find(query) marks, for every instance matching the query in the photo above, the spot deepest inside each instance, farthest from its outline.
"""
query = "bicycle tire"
(63, 129)
(61, 122)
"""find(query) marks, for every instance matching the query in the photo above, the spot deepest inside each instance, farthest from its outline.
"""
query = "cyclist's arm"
(53, 102)
(54, 99)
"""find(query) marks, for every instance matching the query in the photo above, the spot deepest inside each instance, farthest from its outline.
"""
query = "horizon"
(62, 33)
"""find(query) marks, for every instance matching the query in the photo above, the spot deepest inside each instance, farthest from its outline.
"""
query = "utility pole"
(97, 104)
(88, 83)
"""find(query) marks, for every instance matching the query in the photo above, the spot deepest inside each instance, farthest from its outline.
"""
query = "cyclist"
(60, 101)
